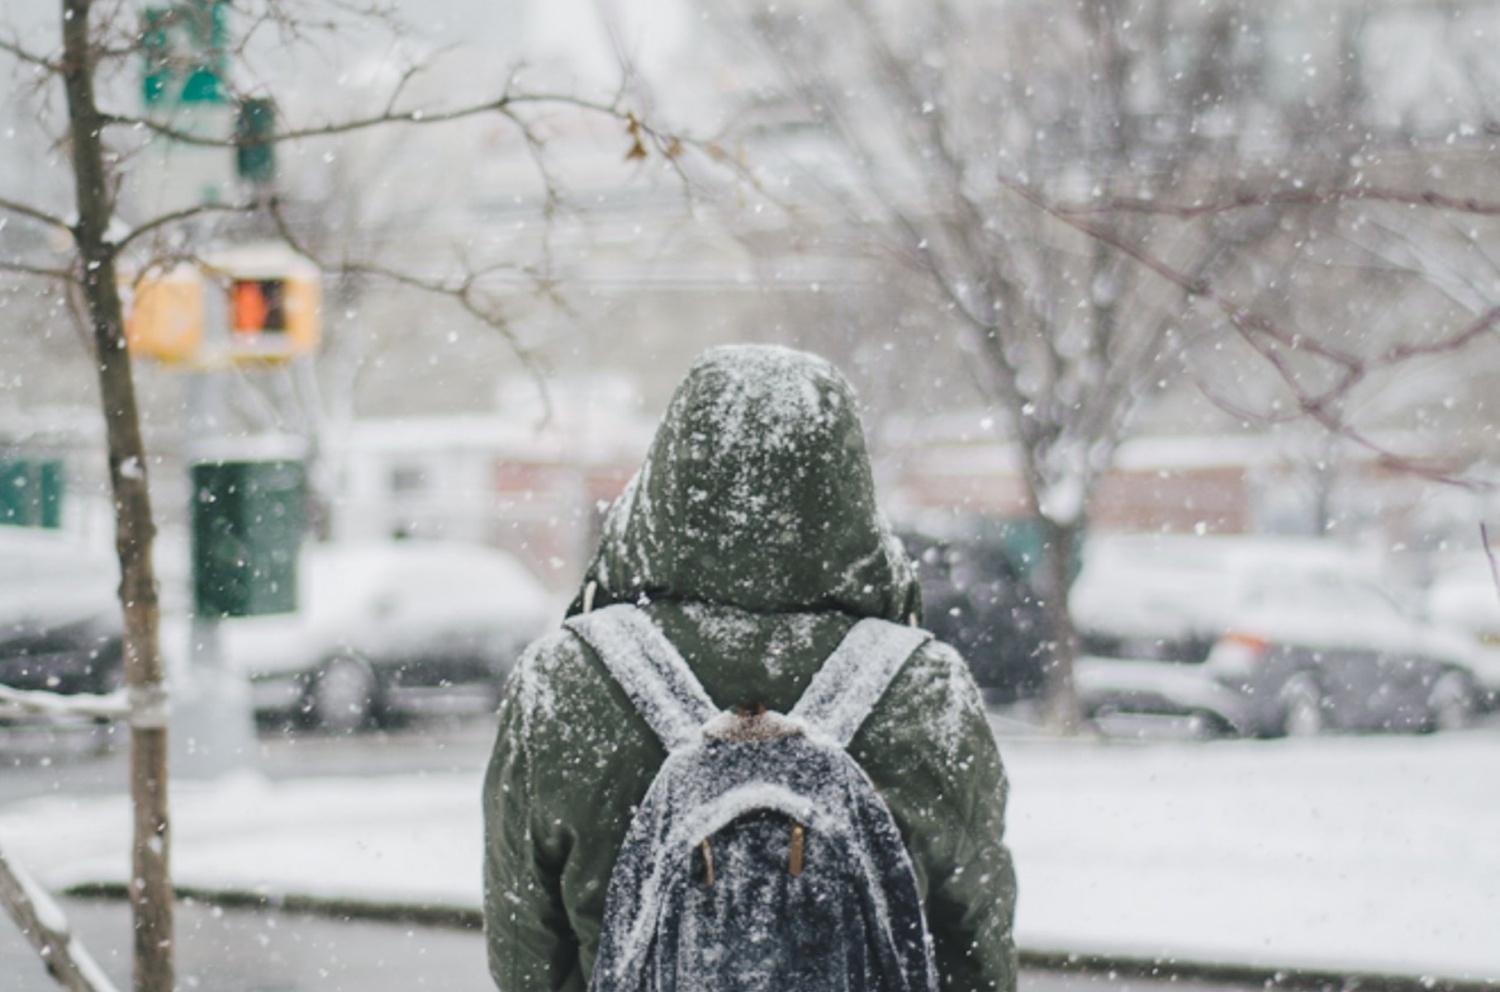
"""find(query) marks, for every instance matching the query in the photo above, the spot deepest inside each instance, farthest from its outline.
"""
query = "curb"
(1160, 969)
(344, 910)
(1168, 969)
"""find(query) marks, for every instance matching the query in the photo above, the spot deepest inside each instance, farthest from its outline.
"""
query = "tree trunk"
(1062, 714)
(150, 884)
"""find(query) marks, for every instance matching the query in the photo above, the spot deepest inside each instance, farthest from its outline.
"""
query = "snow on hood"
(757, 493)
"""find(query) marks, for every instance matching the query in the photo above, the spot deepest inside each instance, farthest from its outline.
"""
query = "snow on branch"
(115, 706)
(44, 924)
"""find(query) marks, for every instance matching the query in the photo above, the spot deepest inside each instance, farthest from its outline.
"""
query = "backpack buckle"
(746, 726)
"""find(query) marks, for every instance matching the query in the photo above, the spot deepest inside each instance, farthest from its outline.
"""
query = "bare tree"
(91, 64)
(957, 127)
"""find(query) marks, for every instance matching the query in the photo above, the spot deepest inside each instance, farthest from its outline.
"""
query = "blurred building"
(532, 477)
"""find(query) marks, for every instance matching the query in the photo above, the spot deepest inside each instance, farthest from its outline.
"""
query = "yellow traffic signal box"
(271, 309)
(164, 315)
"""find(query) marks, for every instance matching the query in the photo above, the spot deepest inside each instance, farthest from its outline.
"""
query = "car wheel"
(342, 696)
(1302, 707)
(1453, 702)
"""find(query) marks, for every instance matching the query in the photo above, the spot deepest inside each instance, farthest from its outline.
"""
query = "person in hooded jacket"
(751, 537)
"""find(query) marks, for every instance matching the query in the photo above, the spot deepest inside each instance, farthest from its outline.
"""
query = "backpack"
(762, 858)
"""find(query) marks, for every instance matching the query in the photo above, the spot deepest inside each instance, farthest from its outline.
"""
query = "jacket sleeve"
(930, 751)
(529, 941)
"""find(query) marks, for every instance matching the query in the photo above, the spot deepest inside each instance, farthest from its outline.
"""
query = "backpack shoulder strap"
(653, 674)
(855, 676)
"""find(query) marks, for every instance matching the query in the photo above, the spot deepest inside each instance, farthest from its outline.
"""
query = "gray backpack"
(762, 859)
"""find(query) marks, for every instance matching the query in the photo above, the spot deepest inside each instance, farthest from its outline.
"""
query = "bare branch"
(1426, 262)
(1434, 470)
(1489, 554)
(13, 47)
(1484, 322)
(1251, 323)
(1456, 342)
(1273, 343)
(42, 921)
(407, 75)
(505, 104)
(35, 213)
(465, 291)
(177, 216)
(23, 269)
(1311, 196)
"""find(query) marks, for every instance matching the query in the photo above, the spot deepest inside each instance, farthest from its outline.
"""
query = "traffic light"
(274, 300)
(270, 309)
(254, 152)
(258, 306)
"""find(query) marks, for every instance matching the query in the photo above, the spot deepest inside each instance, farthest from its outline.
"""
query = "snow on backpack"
(762, 859)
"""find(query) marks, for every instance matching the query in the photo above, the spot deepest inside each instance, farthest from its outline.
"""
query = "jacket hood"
(757, 493)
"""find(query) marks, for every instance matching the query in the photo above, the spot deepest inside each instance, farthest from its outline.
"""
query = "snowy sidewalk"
(1359, 854)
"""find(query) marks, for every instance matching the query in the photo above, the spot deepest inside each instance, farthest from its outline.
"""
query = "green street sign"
(185, 53)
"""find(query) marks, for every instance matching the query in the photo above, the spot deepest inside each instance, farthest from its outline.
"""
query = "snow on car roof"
(1176, 585)
(1467, 596)
(54, 575)
(340, 575)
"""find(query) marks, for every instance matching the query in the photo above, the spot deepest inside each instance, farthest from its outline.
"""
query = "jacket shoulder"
(565, 691)
(934, 696)
(550, 666)
(941, 659)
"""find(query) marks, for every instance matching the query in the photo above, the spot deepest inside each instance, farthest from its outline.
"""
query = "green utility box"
(31, 491)
(247, 527)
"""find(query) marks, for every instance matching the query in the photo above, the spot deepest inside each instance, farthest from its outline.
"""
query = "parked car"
(1264, 637)
(1466, 597)
(60, 619)
(389, 630)
(976, 600)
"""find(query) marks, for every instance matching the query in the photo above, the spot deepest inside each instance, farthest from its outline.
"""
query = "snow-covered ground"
(1361, 854)
(1376, 854)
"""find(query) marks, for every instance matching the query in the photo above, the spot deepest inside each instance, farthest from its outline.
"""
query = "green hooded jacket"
(751, 537)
